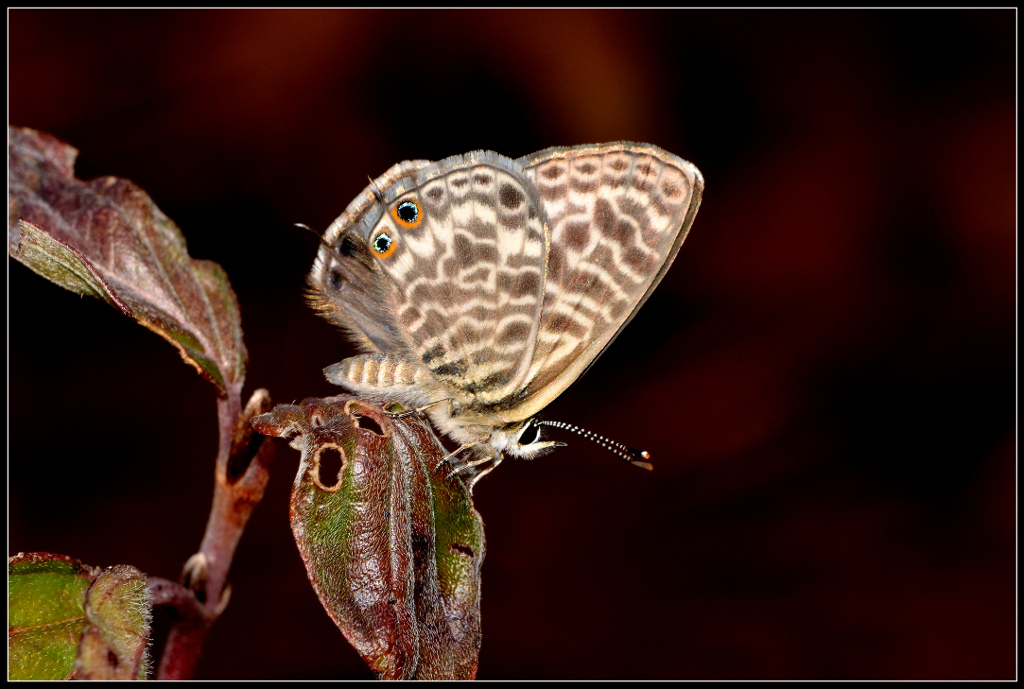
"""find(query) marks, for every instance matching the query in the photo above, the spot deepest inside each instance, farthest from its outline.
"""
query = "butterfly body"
(483, 286)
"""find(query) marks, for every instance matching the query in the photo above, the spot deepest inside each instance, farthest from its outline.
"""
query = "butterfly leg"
(476, 477)
(460, 448)
(417, 410)
(476, 463)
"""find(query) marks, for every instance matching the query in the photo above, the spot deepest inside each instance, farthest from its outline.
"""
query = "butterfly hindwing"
(458, 274)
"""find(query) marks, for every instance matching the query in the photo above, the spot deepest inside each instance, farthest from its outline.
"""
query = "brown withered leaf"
(106, 238)
(391, 542)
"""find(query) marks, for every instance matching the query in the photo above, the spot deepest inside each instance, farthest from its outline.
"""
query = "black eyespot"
(530, 435)
(408, 212)
(382, 244)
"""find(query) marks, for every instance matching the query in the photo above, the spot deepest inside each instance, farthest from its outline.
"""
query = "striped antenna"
(631, 455)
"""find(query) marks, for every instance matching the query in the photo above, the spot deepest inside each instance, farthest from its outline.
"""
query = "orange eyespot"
(407, 213)
(383, 244)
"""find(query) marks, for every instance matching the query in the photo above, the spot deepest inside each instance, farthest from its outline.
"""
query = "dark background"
(825, 378)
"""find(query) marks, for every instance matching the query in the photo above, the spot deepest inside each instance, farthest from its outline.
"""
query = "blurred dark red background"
(825, 378)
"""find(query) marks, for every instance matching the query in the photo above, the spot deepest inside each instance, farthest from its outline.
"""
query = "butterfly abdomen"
(386, 374)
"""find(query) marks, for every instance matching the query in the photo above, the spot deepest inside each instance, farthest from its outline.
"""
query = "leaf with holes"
(391, 543)
(107, 239)
(67, 620)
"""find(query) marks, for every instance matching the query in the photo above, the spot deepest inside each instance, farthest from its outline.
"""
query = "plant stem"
(240, 477)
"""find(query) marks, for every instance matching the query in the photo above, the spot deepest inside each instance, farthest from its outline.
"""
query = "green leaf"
(107, 239)
(67, 620)
(46, 614)
(391, 543)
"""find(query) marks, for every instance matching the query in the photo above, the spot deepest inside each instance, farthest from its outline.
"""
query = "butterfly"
(480, 287)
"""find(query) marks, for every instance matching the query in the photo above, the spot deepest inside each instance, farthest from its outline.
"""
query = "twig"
(240, 478)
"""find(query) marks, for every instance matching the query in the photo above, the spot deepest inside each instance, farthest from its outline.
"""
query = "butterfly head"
(523, 440)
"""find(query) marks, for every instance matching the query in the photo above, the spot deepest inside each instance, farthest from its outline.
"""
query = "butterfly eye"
(530, 434)
(383, 245)
(407, 213)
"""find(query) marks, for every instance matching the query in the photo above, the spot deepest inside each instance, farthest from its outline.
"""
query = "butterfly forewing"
(468, 275)
(617, 214)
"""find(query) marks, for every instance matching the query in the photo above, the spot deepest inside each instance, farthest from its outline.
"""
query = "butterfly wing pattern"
(617, 214)
(484, 286)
